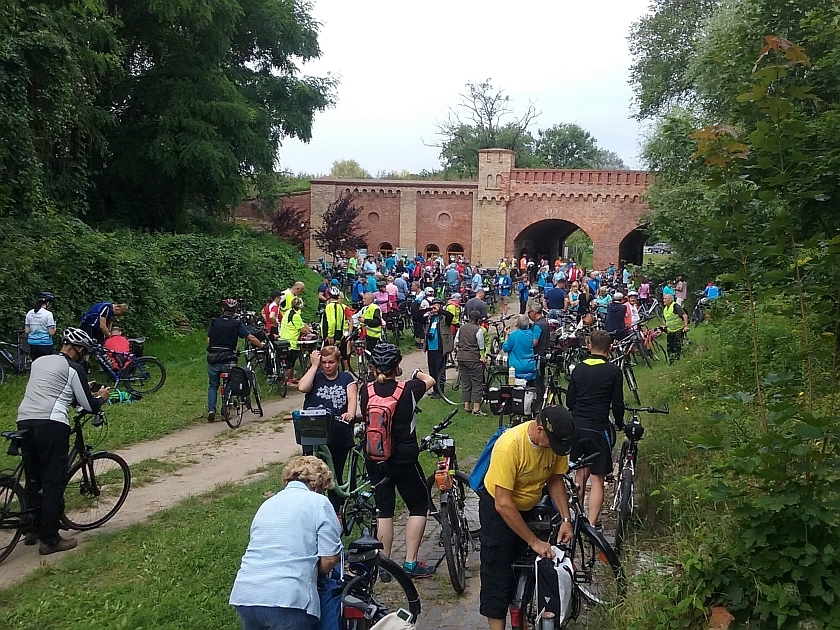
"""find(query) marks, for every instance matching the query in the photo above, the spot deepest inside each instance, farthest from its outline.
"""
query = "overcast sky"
(403, 64)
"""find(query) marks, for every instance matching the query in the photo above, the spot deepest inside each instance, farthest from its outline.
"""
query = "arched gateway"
(507, 210)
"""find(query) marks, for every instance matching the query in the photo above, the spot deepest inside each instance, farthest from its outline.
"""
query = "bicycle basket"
(571, 341)
(313, 427)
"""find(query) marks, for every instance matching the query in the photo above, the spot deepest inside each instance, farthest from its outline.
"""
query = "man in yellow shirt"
(525, 459)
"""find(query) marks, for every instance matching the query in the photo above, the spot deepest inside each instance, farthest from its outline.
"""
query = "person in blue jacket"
(520, 348)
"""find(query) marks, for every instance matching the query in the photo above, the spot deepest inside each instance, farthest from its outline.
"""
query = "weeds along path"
(187, 463)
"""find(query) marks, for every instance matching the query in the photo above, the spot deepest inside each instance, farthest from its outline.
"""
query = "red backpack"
(380, 416)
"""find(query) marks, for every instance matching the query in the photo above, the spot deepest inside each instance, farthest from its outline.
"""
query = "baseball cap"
(455, 296)
(559, 427)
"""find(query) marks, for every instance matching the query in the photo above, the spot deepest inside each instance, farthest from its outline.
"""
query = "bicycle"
(141, 375)
(367, 599)
(16, 356)
(97, 487)
(623, 502)
(452, 503)
(501, 332)
(622, 351)
(236, 397)
(363, 370)
(596, 572)
(448, 381)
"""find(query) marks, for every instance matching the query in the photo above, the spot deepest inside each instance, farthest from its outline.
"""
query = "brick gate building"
(507, 211)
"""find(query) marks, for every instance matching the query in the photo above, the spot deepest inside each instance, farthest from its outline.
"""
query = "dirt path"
(208, 455)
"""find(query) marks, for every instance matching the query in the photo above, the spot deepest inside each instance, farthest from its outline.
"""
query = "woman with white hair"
(520, 348)
(276, 586)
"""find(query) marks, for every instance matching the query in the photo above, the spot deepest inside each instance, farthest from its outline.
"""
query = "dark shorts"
(590, 441)
(408, 479)
(291, 358)
(500, 547)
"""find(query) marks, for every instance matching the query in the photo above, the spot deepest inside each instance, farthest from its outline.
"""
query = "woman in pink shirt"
(393, 293)
(644, 292)
(381, 298)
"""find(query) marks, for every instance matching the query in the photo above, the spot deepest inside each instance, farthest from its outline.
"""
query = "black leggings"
(36, 351)
(408, 479)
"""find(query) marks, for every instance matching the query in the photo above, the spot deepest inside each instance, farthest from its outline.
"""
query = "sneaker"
(420, 571)
(293, 382)
(31, 538)
(384, 576)
(479, 412)
(63, 544)
(211, 416)
(434, 394)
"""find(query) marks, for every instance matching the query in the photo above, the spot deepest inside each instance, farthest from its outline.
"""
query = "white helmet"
(78, 337)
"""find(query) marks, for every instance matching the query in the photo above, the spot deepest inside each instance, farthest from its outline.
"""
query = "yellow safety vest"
(369, 313)
(334, 318)
(673, 322)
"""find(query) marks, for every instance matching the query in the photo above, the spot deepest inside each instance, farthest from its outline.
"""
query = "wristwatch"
(567, 519)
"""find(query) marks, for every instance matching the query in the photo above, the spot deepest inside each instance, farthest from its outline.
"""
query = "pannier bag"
(313, 427)
(237, 382)
(523, 401)
(555, 582)
(282, 347)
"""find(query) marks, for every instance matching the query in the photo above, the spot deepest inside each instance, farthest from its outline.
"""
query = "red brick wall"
(444, 218)
(380, 216)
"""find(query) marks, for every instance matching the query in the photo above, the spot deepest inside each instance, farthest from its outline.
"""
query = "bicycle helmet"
(455, 296)
(438, 301)
(275, 294)
(46, 296)
(334, 292)
(334, 282)
(385, 356)
(429, 291)
(533, 292)
(78, 337)
(229, 304)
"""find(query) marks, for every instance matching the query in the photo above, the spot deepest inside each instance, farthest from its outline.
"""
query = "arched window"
(386, 249)
(431, 251)
(454, 250)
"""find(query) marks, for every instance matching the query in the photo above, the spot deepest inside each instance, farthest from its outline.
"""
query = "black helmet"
(46, 296)
(385, 356)
(634, 431)
(275, 294)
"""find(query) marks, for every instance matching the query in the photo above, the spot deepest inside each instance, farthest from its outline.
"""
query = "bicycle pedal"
(582, 577)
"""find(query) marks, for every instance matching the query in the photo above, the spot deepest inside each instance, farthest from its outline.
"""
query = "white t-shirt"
(39, 325)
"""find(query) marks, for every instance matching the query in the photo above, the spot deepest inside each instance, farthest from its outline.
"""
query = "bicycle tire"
(234, 420)
(400, 592)
(463, 493)
(12, 519)
(448, 384)
(2, 373)
(256, 388)
(142, 384)
(495, 346)
(625, 508)
(594, 556)
(453, 548)
(88, 484)
(643, 353)
(630, 377)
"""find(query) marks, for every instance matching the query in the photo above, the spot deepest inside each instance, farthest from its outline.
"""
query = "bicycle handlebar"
(424, 443)
(666, 410)
(583, 462)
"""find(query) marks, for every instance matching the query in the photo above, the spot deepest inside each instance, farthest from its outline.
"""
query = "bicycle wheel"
(643, 353)
(454, 549)
(464, 495)
(98, 486)
(385, 597)
(2, 373)
(625, 507)
(495, 346)
(597, 561)
(282, 381)
(255, 387)
(235, 413)
(145, 375)
(630, 377)
(12, 519)
(448, 384)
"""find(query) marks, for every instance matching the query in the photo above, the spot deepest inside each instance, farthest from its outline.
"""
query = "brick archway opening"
(631, 248)
(544, 239)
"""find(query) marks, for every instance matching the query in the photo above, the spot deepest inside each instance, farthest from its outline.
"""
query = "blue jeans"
(214, 371)
(275, 618)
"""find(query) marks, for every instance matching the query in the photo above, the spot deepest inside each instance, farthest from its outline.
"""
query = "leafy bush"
(167, 280)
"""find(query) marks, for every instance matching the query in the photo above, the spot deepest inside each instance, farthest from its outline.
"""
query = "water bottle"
(511, 376)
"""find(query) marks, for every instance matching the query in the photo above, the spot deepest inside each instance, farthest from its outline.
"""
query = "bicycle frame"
(128, 361)
(15, 355)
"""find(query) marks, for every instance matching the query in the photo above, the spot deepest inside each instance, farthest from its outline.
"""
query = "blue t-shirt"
(520, 348)
(452, 276)
(594, 284)
(476, 282)
(556, 299)
(358, 290)
(100, 309)
(667, 289)
(332, 394)
(505, 286)
(625, 276)
(390, 262)
(433, 338)
(712, 292)
(371, 284)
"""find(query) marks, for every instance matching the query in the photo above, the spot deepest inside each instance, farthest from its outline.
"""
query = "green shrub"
(167, 279)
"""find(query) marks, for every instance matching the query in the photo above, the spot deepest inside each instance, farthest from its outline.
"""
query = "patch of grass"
(149, 470)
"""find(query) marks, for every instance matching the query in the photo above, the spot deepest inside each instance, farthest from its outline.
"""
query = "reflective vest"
(673, 322)
(333, 324)
(369, 312)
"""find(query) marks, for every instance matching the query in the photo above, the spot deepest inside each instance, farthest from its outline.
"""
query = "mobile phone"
(405, 615)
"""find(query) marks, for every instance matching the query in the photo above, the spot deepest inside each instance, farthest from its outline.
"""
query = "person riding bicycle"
(291, 330)
(56, 383)
(99, 319)
(676, 324)
(222, 337)
(525, 459)
(327, 388)
(402, 470)
(594, 386)
(39, 326)
(371, 318)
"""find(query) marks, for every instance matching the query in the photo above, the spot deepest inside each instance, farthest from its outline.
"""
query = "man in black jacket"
(222, 336)
(594, 386)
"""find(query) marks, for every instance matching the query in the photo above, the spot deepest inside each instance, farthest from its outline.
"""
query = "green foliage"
(166, 280)
(348, 169)
(571, 146)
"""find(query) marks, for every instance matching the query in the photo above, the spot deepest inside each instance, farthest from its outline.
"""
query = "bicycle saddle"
(544, 508)
(15, 435)
(364, 548)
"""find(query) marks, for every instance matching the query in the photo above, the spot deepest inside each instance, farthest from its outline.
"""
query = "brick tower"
(490, 205)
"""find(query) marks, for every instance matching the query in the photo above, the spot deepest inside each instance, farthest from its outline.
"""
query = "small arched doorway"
(386, 249)
(431, 251)
(453, 251)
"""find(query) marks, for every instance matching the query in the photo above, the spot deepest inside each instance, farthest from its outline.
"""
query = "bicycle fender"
(612, 557)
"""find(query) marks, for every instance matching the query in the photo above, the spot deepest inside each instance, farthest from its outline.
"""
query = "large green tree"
(349, 169)
(206, 93)
(571, 146)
